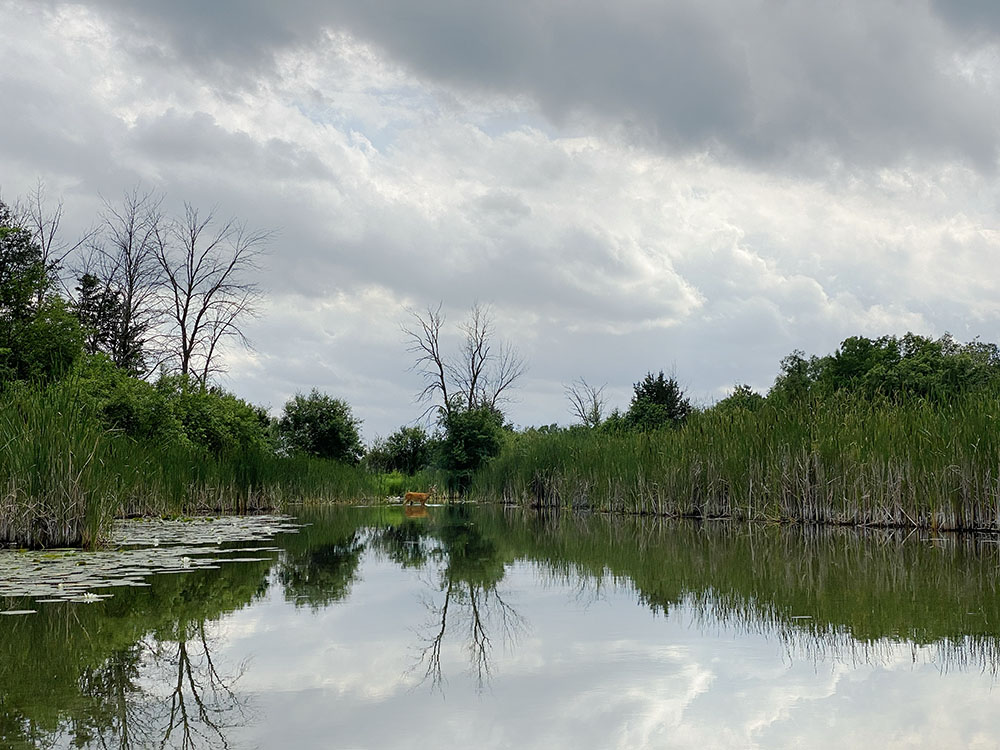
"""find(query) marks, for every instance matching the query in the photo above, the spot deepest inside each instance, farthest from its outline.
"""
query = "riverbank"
(64, 478)
(837, 460)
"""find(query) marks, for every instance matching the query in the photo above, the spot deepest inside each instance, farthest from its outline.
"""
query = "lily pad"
(139, 550)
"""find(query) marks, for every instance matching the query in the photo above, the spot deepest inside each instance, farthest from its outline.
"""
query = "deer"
(419, 497)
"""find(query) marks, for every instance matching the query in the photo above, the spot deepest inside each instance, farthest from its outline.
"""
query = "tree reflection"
(197, 707)
(322, 571)
(471, 600)
(138, 670)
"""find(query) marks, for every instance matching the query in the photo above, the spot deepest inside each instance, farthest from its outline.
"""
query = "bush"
(322, 426)
(408, 450)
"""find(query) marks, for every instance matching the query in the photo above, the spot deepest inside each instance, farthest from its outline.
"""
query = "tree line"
(888, 368)
(138, 312)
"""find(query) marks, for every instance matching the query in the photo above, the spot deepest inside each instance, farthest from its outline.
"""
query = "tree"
(124, 259)
(322, 426)
(208, 291)
(43, 223)
(743, 398)
(39, 338)
(472, 437)
(657, 402)
(22, 270)
(480, 375)
(587, 403)
(407, 450)
(98, 309)
(796, 379)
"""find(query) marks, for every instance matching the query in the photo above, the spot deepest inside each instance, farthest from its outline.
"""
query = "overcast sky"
(699, 186)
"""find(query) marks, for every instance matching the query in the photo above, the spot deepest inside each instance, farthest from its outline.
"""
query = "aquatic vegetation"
(137, 550)
(63, 478)
(836, 460)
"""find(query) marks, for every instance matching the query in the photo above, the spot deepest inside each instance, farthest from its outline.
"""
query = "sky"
(695, 186)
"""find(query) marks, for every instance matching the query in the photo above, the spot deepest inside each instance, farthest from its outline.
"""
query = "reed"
(63, 479)
(840, 460)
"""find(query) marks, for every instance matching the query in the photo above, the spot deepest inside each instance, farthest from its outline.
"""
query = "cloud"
(792, 84)
(395, 178)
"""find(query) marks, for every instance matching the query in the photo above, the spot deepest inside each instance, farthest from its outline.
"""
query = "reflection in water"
(133, 671)
(143, 670)
(198, 708)
(470, 599)
(465, 569)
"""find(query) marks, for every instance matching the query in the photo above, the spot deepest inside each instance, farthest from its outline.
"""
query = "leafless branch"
(424, 340)
(123, 256)
(481, 373)
(207, 269)
(587, 402)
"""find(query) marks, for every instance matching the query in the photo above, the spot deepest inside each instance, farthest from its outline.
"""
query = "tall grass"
(54, 486)
(63, 479)
(842, 461)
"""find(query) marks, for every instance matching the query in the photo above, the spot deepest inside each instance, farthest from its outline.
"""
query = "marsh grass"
(63, 479)
(838, 461)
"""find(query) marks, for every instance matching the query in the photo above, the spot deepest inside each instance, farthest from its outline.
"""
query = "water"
(480, 627)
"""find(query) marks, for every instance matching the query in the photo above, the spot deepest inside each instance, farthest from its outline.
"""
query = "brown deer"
(419, 497)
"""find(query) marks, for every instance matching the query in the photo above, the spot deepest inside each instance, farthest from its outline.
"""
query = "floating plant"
(137, 550)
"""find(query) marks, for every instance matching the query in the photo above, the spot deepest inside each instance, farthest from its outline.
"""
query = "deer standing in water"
(419, 497)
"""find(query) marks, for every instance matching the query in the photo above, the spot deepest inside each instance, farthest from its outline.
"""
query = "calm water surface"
(484, 627)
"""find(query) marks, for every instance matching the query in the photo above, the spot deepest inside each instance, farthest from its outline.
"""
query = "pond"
(461, 626)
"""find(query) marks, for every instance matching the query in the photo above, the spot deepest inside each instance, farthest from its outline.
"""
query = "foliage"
(214, 419)
(472, 437)
(320, 425)
(174, 411)
(890, 366)
(44, 346)
(657, 402)
(743, 397)
(39, 338)
(408, 450)
(22, 270)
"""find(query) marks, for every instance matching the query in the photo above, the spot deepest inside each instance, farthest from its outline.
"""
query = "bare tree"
(482, 372)
(44, 222)
(425, 342)
(208, 288)
(124, 258)
(586, 402)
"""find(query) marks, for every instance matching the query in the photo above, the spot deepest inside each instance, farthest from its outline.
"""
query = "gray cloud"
(779, 83)
(390, 187)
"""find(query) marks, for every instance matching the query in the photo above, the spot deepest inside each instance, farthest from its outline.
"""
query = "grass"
(63, 479)
(840, 461)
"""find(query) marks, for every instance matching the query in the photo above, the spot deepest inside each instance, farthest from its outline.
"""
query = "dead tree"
(124, 258)
(44, 223)
(586, 402)
(482, 372)
(207, 267)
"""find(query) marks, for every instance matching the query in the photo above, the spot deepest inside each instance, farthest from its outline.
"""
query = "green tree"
(320, 425)
(22, 270)
(892, 367)
(39, 337)
(99, 310)
(472, 437)
(658, 402)
(407, 450)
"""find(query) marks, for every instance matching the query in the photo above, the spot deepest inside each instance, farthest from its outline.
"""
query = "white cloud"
(391, 188)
